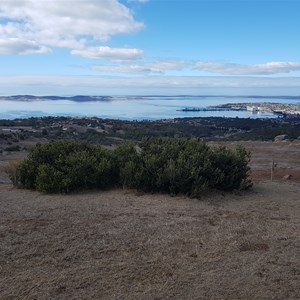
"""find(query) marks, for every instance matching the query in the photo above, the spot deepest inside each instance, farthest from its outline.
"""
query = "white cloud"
(17, 46)
(217, 67)
(135, 69)
(64, 23)
(117, 54)
(269, 68)
(168, 65)
(140, 1)
(157, 67)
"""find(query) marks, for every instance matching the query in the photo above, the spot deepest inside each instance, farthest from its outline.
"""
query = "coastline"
(143, 107)
(276, 108)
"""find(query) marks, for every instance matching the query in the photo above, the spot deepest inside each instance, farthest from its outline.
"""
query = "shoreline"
(263, 107)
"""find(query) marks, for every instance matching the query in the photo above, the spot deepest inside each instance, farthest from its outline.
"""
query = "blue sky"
(150, 47)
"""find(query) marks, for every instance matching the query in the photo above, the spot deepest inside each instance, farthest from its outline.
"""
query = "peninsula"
(276, 108)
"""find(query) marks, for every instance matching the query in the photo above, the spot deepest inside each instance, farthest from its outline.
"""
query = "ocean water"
(144, 108)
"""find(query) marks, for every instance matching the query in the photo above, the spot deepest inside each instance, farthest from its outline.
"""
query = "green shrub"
(50, 180)
(229, 168)
(171, 165)
(183, 165)
(66, 166)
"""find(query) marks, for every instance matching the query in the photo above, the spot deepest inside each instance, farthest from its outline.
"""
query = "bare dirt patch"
(125, 245)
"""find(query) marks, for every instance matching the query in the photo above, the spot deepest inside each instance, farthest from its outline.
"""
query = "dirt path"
(120, 245)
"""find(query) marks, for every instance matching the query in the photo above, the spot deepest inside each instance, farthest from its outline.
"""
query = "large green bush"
(180, 165)
(183, 165)
(66, 166)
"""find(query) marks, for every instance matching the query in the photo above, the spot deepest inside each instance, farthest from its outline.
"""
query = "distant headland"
(87, 98)
(78, 98)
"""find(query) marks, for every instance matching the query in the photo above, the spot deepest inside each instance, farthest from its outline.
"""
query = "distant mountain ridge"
(78, 98)
(83, 98)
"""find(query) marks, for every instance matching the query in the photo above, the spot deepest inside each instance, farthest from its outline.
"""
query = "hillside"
(124, 244)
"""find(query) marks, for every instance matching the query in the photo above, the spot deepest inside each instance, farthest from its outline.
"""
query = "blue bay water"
(144, 108)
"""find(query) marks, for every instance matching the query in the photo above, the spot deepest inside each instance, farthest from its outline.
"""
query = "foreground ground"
(123, 245)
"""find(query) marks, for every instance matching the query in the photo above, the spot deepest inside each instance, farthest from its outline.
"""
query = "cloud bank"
(161, 66)
(268, 68)
(117, 54)
(149, 85)
(18, 46)
(156, 67)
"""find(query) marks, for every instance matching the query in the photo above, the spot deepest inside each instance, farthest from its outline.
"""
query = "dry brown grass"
(130, 245)
(122, 245)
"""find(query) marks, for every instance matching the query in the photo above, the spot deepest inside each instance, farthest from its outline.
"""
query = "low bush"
(183, 165)
(66, 166)
(173, 165)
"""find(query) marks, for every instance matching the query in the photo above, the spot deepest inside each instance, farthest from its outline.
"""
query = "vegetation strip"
(183, 165)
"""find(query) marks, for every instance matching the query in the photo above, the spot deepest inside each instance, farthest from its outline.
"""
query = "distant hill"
(78, 98)
(82, 98)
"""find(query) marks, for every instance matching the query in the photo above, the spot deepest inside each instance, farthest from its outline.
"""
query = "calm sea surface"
(146, 108)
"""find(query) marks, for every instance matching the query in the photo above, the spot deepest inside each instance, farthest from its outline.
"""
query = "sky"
(150, 47)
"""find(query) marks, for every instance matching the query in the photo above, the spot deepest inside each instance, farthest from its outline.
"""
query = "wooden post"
(272, 169)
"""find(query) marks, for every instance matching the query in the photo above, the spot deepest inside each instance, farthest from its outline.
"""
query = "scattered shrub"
(13, 148)
(12, 170)
(172, 165)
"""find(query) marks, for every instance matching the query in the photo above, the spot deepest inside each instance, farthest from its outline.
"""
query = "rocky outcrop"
(281, 137)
